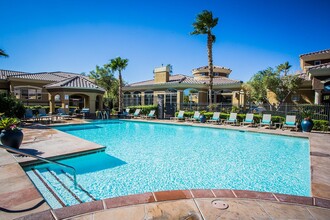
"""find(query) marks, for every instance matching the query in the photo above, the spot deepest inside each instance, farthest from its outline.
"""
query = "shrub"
(145, 109)
(11, 107)
(320, 125)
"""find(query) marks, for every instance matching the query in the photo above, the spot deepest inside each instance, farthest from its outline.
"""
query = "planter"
(307, 125)
(11, 138)
(202, 119)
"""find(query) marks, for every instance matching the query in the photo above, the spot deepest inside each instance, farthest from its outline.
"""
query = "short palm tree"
(203, 25)
(3, 53)
(285, 67)
(119, 64)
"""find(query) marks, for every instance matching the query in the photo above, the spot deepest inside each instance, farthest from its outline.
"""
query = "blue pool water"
(143, 157)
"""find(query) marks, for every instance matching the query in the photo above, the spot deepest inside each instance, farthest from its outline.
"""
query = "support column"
(92, 100)
(100, 103)
(51, 99)
(179, 99)
(235, 98)
(142, 98)
(317, 99)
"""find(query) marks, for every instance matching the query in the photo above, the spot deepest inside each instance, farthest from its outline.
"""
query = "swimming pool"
(144, 157)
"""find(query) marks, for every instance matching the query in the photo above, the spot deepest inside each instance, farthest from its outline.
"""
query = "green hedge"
(145, 109)
(321, 125)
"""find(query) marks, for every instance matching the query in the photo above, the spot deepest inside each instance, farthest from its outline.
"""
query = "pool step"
(58, 187)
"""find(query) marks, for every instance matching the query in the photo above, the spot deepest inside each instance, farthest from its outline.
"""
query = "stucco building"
(53, 89)
(172, 88)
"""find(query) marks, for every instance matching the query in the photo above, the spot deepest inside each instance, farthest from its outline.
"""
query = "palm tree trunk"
(120, 101)
(210, 63)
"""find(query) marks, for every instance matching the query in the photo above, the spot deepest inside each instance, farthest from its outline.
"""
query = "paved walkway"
(18, 193)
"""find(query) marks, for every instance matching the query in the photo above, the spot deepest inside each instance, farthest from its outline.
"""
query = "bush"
(320, 125)
(145, 109)
(11, 107)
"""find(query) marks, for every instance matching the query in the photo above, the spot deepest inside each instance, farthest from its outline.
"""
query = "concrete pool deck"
(19, 193)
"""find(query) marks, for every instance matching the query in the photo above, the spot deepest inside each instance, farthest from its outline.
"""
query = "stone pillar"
(142, 98)
(317, 99)
(235, 98)
(179, 99)
(202, 97)
(92, 100)
(51, 99)
(100, 102)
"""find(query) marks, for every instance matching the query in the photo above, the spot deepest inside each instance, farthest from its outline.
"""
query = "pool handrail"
(42, 159)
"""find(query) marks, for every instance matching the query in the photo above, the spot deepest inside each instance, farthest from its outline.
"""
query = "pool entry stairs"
(58, 188)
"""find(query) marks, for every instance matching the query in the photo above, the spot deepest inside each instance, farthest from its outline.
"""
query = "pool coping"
(316, 201)
(172, 195)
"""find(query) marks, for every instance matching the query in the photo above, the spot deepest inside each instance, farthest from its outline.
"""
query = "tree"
(118, 64)
(284, 67)
(203, 25)
(104, 77)
(271, 80)
(3, 53)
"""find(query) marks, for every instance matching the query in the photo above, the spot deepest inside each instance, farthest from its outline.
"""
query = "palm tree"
(119, 64)
(285, 67)
(3, 53)
(104, 77)
(203, 25)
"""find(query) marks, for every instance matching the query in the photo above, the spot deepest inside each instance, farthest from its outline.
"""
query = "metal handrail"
(43, 159)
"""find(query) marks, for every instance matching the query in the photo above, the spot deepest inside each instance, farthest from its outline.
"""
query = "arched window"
(57, 98)
(137, 98)
(27, 92)
(149, 98)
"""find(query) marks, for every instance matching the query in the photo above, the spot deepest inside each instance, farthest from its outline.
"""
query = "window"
(317, 62)
(57, 98)
(149, 98)
(27, 93)
(216, 74)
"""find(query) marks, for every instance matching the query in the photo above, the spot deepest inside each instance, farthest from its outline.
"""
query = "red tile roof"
(316, 52)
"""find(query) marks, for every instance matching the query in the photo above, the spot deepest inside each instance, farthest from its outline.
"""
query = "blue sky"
(75, 36)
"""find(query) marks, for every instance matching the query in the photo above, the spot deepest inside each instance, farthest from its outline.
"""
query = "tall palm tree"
(285, 67)
(203, 25)
(3, 53)
(119, 64)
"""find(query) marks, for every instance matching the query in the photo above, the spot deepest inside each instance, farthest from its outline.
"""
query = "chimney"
(162, 74)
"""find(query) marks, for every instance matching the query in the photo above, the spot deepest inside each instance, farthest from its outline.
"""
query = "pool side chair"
(215, 118)
(196, 117)
(28, 115)
(290, 122)
(180, 116)
(61, 113)
(137, 113)
(151, 115)
(266, 120)
(232, 119)
(43, 116)
(248, 120)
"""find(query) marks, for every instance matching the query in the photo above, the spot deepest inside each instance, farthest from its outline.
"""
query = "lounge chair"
(195, 118)
(215, 118)
(43, 116)
(266, 120)
(151, 115)
(248, 119)
(136, 113)
(61, 113)
(29, 115)
(179, 117)
(232, 119)
(290, 122)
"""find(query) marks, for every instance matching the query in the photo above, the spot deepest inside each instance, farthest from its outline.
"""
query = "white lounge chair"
(215, 118)
(137, 113)
(232, 119)
(151, 115)
(266, 120)
(179, 117)
(290, 122)
(195, 118)
(248, 119)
